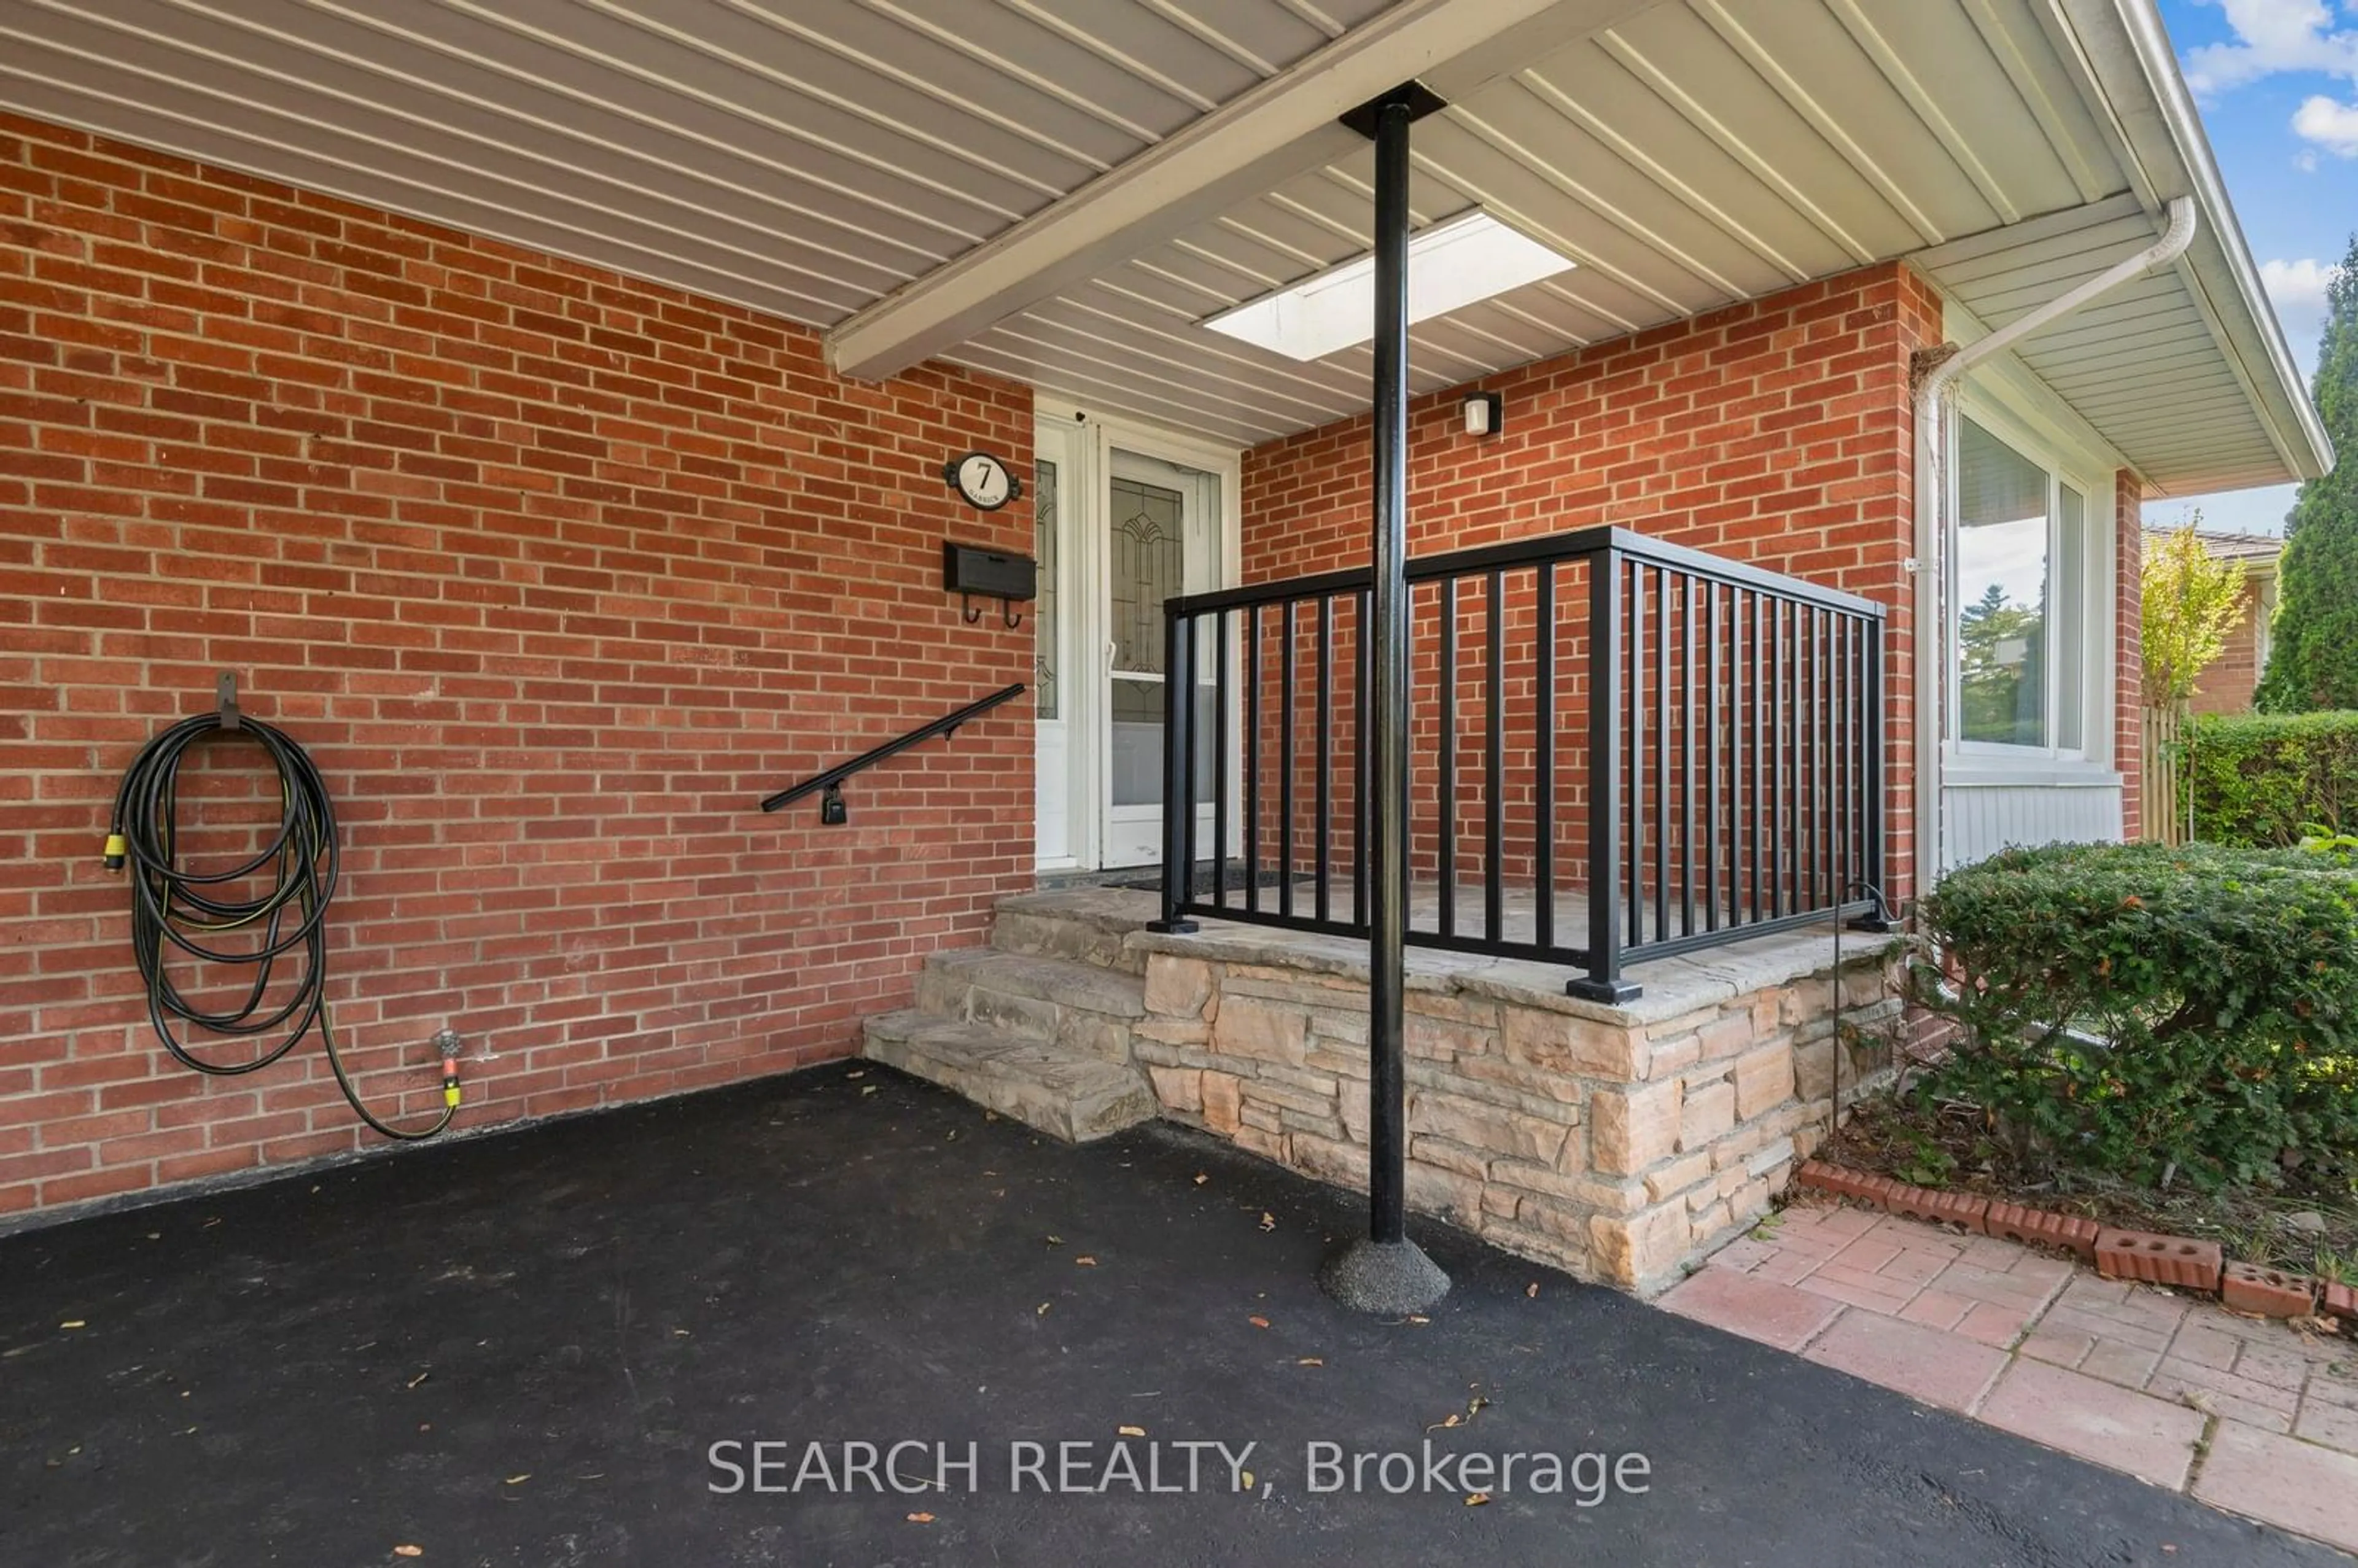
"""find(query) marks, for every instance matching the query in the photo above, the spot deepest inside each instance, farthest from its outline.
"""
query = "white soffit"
(1694, 156)
(810, 157)
(803, 157)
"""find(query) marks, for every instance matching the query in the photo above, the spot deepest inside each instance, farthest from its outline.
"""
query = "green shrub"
(2185, 1013)
(2271, 778)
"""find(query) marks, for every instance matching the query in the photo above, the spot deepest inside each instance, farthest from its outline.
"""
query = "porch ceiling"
(817, 157)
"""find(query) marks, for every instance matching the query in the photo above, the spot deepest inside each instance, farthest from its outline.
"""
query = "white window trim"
(2013, 420)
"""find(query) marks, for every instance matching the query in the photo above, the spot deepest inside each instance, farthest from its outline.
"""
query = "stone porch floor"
(2247, 1415)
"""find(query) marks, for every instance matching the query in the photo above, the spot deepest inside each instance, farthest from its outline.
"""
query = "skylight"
(1450, 265)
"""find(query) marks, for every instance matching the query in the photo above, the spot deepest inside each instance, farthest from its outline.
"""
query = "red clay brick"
(2340, 1301)
(2159, 1260)
(1938, 1207)
(2271, 1292)
(2042, 1228)
(552, 610)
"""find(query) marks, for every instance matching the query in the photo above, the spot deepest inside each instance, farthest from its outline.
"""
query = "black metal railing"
(831, 780)
(1729, 783)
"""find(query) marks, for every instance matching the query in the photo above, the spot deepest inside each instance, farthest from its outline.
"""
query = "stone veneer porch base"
(1619, 1143)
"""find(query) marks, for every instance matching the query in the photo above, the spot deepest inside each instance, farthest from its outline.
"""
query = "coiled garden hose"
(173, 905)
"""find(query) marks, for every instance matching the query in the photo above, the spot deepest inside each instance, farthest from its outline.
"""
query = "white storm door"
(1161, 538)
(1054, 504)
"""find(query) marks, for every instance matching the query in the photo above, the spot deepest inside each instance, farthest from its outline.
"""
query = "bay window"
(2022, 616)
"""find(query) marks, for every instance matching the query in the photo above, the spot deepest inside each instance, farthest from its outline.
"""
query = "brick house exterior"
(2227, 685)
(557, 571)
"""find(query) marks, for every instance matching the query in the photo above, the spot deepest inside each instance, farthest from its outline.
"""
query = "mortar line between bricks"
(1842, 1311)
(2202, 1443)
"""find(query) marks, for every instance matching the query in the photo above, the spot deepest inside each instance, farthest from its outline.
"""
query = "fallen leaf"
(860, 1074)
(1131, 1431)
(1085, 1261)
(1042, 1311)
(518, 1480)
(1476, 1499)
(1418, 1317)
(419, 1379)
(920, 1519)
(1310, 1361)
(867, 1088)
(1258, 1321)
(1532, 1289)
(1452, 1419)
(73, 1323)
(409, 1552)
(1201, 1178)
(1055, 1241)
(1244, 1480)
(1268, 1220)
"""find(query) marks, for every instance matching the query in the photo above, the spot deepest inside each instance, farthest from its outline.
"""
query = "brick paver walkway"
(2248, 1415)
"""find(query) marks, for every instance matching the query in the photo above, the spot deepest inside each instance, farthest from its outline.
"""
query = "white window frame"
(2065, 463)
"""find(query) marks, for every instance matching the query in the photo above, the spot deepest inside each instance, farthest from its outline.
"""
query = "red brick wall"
(555, 573)
(2227, 685)
(1776, 432)
(2128, 650)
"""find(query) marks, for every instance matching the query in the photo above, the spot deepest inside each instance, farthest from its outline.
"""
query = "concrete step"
(1056, 999)
(1084, 925)
(1063, 1092)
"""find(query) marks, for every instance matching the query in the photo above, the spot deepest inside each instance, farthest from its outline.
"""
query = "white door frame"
(1067, 434)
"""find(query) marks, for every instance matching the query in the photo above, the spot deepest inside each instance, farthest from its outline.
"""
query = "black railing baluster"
(1739, 804)
(1362, 797)
(1634, 739)
(1821, 795)
(1763, 824)
(1446, 855)
(1711, 778)
(1252, 759)
(1322, 822)
(1779, 778)
(1178, 780)
(1661, 754)
(1687, 756)
(1185, 688)
(1285, 762)
(1494, 820)
(1543, 759)
(1222, 673)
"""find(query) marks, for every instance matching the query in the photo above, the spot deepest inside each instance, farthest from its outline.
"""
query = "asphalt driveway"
(663, 1336)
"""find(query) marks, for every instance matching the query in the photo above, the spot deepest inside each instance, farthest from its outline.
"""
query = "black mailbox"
(989, 574)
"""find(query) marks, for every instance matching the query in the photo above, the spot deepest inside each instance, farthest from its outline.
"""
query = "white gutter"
(1932, 507)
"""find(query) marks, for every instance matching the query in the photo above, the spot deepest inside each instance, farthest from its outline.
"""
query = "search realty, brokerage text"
(1132, 1464)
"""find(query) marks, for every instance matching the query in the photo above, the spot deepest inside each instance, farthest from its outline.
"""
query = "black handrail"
(947, 724)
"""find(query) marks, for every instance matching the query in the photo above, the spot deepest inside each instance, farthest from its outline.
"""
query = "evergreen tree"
(2314, 662)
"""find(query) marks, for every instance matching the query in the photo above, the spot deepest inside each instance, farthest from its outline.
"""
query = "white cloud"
(2273, 36)
(2297, 289)
(2296, 285)
(2324, 123)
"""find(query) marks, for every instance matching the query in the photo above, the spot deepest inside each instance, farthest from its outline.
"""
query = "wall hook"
(1008, 615)
(225, 698)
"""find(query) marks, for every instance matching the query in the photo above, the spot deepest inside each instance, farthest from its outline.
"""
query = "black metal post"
(1388, 664)
(1178, 778)
(1603, 982)
(1388, 1273)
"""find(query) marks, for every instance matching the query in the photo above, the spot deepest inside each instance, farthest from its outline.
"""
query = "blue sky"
(2277, 84)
